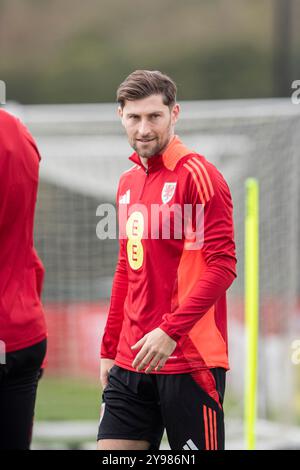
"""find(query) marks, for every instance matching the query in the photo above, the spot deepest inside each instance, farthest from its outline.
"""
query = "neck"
(144, 161)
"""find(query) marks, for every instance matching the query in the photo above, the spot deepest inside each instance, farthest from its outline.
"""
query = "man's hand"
(156, 346)
(105, 366)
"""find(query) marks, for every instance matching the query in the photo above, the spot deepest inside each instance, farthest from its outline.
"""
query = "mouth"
(145, 141)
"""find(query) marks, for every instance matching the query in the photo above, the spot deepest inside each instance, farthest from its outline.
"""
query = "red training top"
(22, 322)
(162, 282)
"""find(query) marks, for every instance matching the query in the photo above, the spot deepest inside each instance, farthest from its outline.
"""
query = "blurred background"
(69, 51)
(234, 64)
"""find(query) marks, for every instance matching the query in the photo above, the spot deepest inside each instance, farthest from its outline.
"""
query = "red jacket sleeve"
(218, 250)
(115, 317)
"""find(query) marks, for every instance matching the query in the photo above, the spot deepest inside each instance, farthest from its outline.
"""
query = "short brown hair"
(143, 83)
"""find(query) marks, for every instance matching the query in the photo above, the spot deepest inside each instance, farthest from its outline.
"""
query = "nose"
(144, 128)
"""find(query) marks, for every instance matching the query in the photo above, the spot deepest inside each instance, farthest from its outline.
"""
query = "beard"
(154, 147)
(147, 149)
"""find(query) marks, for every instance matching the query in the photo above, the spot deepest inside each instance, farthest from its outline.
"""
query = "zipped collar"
(156, 162)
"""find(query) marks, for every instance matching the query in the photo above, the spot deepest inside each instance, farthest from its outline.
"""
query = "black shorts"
(18, 384)
(139, 406)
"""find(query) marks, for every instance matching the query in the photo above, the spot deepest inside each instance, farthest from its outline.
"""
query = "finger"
(160, 365)
(140, 356)
(145, 361)
(139, 343)
(153, 364)
(143, 358)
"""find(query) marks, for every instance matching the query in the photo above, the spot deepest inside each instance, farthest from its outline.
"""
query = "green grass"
(67, 399)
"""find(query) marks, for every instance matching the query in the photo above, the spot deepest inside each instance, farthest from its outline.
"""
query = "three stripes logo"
(201, 178)
(210, 431)
(210, 428)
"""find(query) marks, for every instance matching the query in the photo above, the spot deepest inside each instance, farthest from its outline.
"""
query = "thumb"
(139, 343)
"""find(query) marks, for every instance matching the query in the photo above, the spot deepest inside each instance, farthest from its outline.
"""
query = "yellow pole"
(251, 308)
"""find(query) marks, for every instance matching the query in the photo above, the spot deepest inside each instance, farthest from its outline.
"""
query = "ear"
(120, 114)
(175, 113)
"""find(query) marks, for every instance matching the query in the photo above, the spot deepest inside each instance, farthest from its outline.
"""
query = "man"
(22, 323)
(164, 349)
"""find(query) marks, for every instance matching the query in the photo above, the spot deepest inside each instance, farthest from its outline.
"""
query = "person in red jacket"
(22, 322)
(164, 352)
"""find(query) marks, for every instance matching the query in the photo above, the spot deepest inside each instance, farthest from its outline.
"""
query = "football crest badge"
(168, 192)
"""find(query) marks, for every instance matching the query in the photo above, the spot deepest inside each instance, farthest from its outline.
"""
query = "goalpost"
(251, 309)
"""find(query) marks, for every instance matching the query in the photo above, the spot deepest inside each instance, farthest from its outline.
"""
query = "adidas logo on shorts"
(190, 445)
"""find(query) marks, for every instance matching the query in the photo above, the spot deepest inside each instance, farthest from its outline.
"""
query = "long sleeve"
(22, 321)
(115, 317)
(218, 251)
